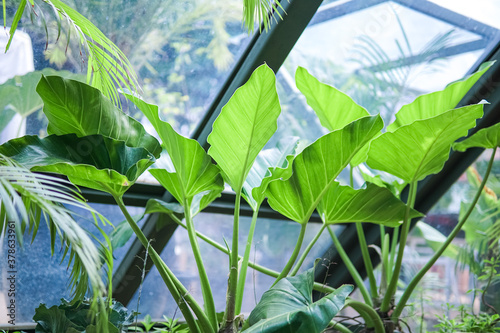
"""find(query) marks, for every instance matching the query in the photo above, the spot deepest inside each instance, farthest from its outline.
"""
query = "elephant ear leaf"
(436, 103)
(192, 178)
(75, 107)
(288, 307)
(374, 204)
(94, 161)
(421, 148)
(485, 138)
(244, 126)
(333, 108)
(316, 168)
(270, 164)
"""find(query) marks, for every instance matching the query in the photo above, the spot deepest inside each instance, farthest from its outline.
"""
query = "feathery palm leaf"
(26, 198)
(108, 69)
(263, 10)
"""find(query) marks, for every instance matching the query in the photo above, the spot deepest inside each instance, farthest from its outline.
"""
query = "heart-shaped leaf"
(372, 204)
(270, 164)
(75, 107)
(317, 166)
(288, 307)
(94, 161)
(421, 148)
(193, 172)
(436, 103)
(485, 138)
(333, 108)
(244, 126)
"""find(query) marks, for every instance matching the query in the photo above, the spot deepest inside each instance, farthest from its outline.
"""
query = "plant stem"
(264, 270)
(350, 267)
(178, 291)
(232, 286)
(439, 252)
(244, 264)
(392, 257)
(366, 259)
(306, 251)
(206, 290)
(391, 289)
(294, 255)
(221, 248)
(339, 327)
(369, 314)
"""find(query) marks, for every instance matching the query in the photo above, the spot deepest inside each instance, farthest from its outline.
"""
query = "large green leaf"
(193, 173)
(74, 107)
(20, 94)
(244, 126)
(288, 307)
(421, 148)
(94, 161)
(485, 138)
(317, 166)
(270, 164)
(373, 204)
(436, 103)
(333, 108)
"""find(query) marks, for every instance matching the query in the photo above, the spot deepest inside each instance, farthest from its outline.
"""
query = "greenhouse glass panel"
(384, 53)
(182, 52)
(272, 245)
(41, 277)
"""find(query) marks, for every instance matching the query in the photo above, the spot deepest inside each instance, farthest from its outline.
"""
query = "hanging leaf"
(95, 161)
(288, 307)
(244, 126)
(434, 239)
(316, 168)
(193, 172)
(484, 138)
(74, 107)
(436, 103)
(421, 148)
(333, 108)
(270, 164)
(343, 204)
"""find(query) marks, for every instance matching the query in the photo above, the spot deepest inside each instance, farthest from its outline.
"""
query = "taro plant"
(95, 145)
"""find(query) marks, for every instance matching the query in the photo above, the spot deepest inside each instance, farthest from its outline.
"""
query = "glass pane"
(182, 52)
(383, 55)
(42, 278)
(455, 276)
(272, 246)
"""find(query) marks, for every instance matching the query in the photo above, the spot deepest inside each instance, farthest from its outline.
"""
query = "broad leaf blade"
(374, 204)
(436, 103)
(317, 166)
(333, 108)
(193, 171)
(484, 138)
(415, 151)
(270, 164)
(244, 126)
(288, 307)
(94, 161)
(74, 107)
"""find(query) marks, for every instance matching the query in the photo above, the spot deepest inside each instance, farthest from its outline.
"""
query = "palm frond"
(27, 197)
(264, 11)
(108, 69)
